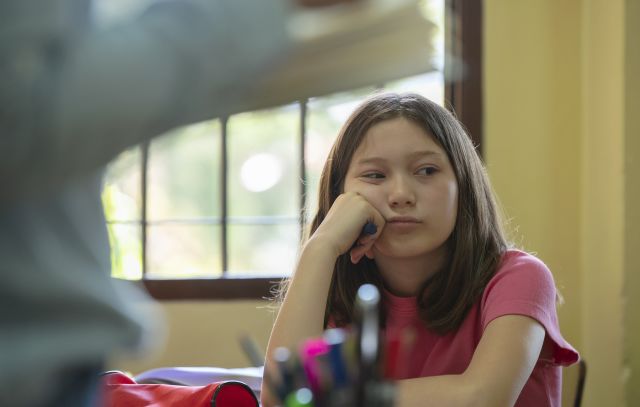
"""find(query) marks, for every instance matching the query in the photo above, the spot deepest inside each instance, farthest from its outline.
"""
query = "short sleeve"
(523, 285)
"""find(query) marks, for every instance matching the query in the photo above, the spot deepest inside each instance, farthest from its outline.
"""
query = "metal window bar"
(144, 161)
(303, 165)
(223, 194)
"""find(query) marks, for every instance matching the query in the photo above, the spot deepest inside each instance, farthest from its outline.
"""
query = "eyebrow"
(412, 156)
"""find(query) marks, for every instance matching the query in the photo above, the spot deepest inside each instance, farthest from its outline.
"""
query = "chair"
(573, 378)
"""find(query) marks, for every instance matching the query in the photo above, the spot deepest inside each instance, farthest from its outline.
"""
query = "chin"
(407, 250)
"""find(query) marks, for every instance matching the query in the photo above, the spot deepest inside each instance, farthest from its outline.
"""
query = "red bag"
(119, 390)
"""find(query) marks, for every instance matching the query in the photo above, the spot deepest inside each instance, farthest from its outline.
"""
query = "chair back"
(573, 378)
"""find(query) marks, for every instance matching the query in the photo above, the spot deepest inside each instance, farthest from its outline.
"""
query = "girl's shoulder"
(521, 276)
(524, 285)
(523, 263)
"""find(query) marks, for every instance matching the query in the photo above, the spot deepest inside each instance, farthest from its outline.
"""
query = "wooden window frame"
(463, 42)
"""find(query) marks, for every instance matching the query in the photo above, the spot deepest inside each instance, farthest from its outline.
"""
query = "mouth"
(401, 220)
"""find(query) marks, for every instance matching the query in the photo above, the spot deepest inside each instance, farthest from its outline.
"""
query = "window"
(217, 209)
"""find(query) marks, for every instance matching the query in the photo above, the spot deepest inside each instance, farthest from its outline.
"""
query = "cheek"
(369, 192)
(375, 199)
(453, 200)
(445, 204)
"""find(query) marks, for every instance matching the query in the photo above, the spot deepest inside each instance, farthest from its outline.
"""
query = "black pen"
(283, 362)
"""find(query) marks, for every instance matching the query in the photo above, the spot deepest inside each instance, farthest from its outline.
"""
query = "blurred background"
(209, 216)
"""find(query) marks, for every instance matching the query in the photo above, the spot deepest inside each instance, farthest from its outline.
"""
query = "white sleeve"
(72, 97)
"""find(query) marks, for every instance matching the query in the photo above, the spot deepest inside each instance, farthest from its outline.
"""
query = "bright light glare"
(261, 172)
(276, 258)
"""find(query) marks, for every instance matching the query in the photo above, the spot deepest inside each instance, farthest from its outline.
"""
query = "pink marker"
(310, 351)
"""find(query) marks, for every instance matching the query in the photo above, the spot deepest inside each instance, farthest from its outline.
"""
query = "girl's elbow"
(476, 393)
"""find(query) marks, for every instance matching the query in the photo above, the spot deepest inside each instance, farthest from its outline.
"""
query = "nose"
(401, 193)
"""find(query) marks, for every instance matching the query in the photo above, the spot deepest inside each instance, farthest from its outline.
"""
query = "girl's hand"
(342, 227)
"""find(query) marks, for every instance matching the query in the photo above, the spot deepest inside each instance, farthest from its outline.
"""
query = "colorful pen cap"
(335, 339)
(300, 398)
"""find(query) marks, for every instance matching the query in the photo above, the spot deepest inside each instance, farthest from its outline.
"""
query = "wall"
(205, 333)
(533, 134)
(603, 195)
(632, 200)
(562, 149)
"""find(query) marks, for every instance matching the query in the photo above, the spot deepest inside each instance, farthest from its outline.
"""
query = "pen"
(341, 394)
(368, 336)
(335, 338)
(251, 350)
(282, 358)
(369, 228)
(277, 391)
(391, 356)
(405, 353)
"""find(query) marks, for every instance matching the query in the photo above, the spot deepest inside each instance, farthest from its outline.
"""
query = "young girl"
(483, 314)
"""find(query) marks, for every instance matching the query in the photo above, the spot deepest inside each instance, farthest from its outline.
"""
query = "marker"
(335, 338)
(300, 398)
(369, 228)
(310, 351)
(367, 303)
(277, 391)
(391, 356)
(341, 394)
(325, 378)
(251, 350)
(380, 394)
(282, 357)
(407, 342)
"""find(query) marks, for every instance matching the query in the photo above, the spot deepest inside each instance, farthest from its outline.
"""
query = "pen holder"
(343, 368)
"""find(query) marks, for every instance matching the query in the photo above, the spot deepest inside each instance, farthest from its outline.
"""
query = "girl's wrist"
(320, 245)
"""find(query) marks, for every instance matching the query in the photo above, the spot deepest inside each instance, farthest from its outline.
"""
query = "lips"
(403, 220)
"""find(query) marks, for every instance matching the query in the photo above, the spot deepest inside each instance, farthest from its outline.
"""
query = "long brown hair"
(476, 244)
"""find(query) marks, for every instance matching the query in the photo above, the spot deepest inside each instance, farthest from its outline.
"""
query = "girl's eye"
(373, 175)
(427, 171)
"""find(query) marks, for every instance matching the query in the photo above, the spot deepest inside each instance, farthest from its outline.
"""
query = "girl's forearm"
(302, 313)
(439, 391)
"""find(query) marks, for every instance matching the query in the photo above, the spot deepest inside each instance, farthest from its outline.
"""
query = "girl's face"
(408, 178)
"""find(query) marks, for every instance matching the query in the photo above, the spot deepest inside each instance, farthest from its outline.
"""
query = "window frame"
(463, 42)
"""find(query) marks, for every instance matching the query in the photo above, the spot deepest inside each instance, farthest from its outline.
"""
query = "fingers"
(361, 250)
(364, 245)
(369, 253)
(351, 220)
(370, 233)
(356, 254)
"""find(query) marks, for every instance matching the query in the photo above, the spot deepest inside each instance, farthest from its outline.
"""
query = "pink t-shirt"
(523, 285)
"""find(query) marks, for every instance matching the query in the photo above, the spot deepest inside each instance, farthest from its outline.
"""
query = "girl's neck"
(405, 276)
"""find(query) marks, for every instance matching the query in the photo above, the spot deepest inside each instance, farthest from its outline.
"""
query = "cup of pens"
(342, 368)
